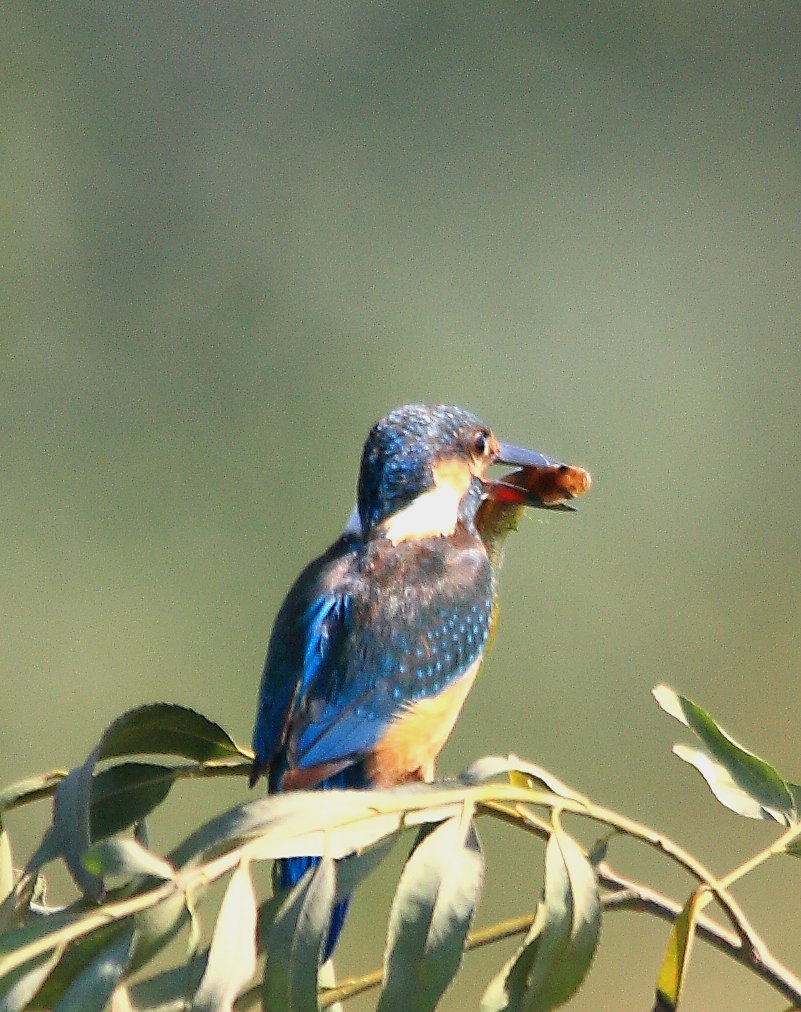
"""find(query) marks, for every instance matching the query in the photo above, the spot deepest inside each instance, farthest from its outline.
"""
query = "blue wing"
(362, 634)
(306, 631)
(413, 625)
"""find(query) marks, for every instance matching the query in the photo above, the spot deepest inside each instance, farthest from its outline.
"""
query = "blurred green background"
(235, 235)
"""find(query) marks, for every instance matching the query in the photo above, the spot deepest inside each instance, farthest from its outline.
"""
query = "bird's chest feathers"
(435, 512)
(409, 749)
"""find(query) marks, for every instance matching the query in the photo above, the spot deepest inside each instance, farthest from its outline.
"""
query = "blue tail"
(290, 870)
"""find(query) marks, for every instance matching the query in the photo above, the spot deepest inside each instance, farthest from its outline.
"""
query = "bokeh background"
(235, 235)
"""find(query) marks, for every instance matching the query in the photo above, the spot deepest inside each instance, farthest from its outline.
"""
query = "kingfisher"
(379, 640)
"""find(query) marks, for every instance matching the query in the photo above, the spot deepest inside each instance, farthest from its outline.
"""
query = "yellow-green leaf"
(677, 955)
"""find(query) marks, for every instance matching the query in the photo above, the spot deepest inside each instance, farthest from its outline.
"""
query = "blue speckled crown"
(398, 457)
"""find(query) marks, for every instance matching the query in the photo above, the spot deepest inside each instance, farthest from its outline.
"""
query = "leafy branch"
(265, 951)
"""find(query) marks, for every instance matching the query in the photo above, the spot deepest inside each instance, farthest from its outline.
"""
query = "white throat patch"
(433, 513)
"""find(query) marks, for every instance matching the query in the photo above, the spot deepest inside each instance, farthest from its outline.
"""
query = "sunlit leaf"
(231, 960)
(121, 1000)
(297, 940)
(521, 773)
(753, 775)
(125, 859)
(6, 865)
(558, 950)
(298, 823)
(431, 914)
(93, 988)
(722, 785)
(677, 955)
(125, 794)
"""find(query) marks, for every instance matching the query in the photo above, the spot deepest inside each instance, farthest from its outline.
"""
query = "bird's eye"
(481, 443)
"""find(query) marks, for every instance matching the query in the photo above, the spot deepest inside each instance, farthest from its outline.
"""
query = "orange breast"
(408, 751)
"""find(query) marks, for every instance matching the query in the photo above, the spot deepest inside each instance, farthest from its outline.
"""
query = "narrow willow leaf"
(521, 773)
(30, 789)
(752, 775)
(720, 782)
(124, 794)
(93, 988)
(298, 823)
(508, 988)
(430, 916)
(167, 990)
(26, 983)
(71, 825)
(125, 859)
(156, 925)
(231, 960)
(677, 955)
(557, 953)
(77, 958)
(6, 865)
(572, 924)
(296, 942)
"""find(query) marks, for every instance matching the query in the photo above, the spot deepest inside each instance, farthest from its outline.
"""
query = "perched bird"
(377, 644)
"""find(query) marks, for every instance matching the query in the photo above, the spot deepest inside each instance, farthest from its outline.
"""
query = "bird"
(379, 640)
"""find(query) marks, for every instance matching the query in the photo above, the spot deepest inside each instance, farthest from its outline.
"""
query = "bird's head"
(424, 470)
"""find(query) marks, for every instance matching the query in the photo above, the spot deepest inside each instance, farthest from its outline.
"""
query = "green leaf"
(677, 955)
(558, 950)
(124, 794)
(297, 940)
(125, 859)
(231, 960)
(755, 777)
(162, 728)
(723, 786)
(430, 916)
(168, 729)
(92, 988)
